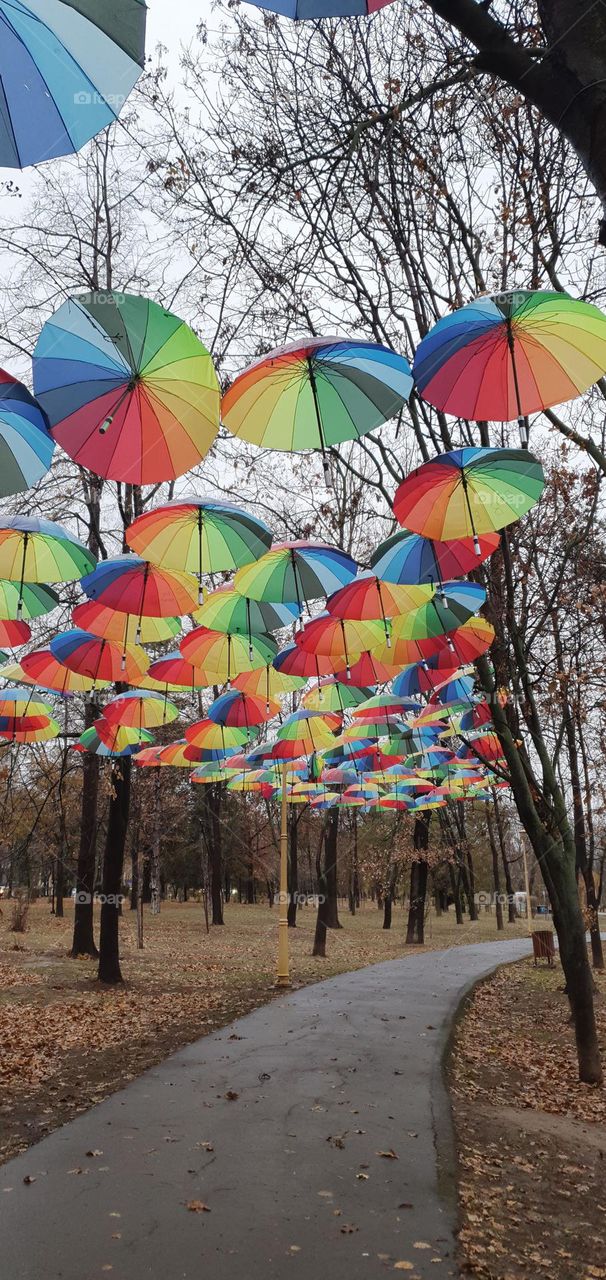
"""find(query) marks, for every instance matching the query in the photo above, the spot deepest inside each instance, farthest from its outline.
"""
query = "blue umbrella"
(26, 445)
(302, 10)
(66, 69)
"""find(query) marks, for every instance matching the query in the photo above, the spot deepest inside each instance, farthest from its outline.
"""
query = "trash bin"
(543, 946)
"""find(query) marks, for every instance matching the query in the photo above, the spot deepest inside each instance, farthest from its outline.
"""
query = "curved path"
(326, 1079)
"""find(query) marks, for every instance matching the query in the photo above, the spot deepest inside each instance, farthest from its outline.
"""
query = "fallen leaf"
(388, 1155)
(28, 1179)
(403, 1266)
(231, 1095)
(348, 1228)
(94, 1153)
(197, 1206)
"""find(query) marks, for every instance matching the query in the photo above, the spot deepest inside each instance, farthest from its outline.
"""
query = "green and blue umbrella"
(26, 445)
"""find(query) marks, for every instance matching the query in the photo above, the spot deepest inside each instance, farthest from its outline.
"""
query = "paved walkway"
(276, 1123)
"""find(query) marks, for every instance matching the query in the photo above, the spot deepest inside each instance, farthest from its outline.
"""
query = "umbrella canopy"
(117, 737)
(43, 669)
(295, 573)
(316, 393)
(223, 656)
(29, 729)
(409, 558)
(296, 662)
(99, 659)
(368, 668)
(339, 637)
(506, 356)
(90, 741)
(417, 678)
(267, 681)
(462, 645)
(303, 10)
(228, 611)
(14, 634)
(143, 710)
(445, 611)
(111, 624)
(129, 390)
(241, 710)
(199, 535)
(330, 694)
(66, 70)
(26, 445)
(469, 492)
(35, 550)
(17, 702)
(313, 727)
(367, 597)
(174, 673)
(25, 600)
(142, 589)
(205, 733)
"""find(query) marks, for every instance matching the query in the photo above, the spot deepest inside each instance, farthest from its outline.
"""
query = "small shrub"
(19, 913)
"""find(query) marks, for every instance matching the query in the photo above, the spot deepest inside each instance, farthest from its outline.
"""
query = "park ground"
(531, 1141)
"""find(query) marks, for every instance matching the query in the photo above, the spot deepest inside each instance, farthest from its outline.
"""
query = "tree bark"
(113, 863)
(330, 868)
(319, 947)
(293, 867)
(215, 853)
(495, 870)
(83, 942)
(415, 932)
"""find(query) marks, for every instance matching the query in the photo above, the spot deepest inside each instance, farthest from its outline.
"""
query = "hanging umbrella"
(223, 656)
(141, 589)
(478, 716)
(26, 445)
(409, 558)
(18, 702)
(463, 645)
(182, 754)
(205, 733)
(383, 707)
(111, 624)
(267, 681)
(14, 634)
(469, 492)
(129, 390)
(339, 637)
(228, 611)
(446, 611)
(295, 573)
(417, 678)
(29, 729)
(43, 669)
(25, 600)
(34, 550)
(173, 673)
(368, 598)
(140, 710)
(316, 393)
(66, 70)
(241, 710)
(459, 689)
(330, 694)
(199, 535)
(512, 354)
(309, 726)
(90, 741)
(294, 661)
(99, 659)
(370, 669)
(119, 736)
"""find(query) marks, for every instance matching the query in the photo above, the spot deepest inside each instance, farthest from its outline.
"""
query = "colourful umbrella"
(66, 70)
(367, 597)
(316, 393)
(369, 669)
(478, 717)
(174, 673)
(17, 702)
(512, 354)
(448, 609)
(142, 589)
(409, 558)
(30, 729)
(111, 624)
(99, 659)
(330, 694)
(417, 678)
(14, 672)
(296, 662)
(223, 656)
(311, 727)
(241, 710)
(43, 669)
(199, 535)
(469, 492)
(205, 733)
(117, 737)
(228, 611)
(25, 600)
(129, 390)
(34, 550)
(464, 645)
(26, 445)
(383, 707)
(14, 634)
(267, 681)
(339, 638)
(295, 573)
(90, 741)
(142, 710)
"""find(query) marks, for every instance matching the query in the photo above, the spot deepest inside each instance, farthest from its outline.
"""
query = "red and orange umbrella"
(111, 624)
(44, 669)
(174, 673)
(140, 710)
(13, 634)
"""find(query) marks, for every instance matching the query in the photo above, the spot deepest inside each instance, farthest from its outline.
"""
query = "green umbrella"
(26, 600)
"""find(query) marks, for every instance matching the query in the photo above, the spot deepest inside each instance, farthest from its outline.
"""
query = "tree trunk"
(319, 947)
(456, 893)
(512, 914)
(330, 868)
(83, 942)
(415, 932)
(113, 862)
(495, 870)
(59, 879)
(155, 850)
(293, 867)
(215, 851)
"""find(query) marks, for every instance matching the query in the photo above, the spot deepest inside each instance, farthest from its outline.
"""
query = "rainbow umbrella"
(199, 535)
(326, 799)
(25, 600)
(505, 356)
(223, 656)
(369, 669)
(99, 659)
(310, 726)
(367, 597)
(339, 638)
(459, 689)
(182, 754)
(66, 70)
(469, 492)
(316, 393)
(174, 673)
(14, 634)
(295, 573)
(462, 645)
(149, 757)
(90, 741)
(241, 710)
(409, 558)
(14, 672)
(140, 710)
(29, 729)
(394, 801)
(267, 681)
(26, 445)
(383, 706)
(130, 391)
(43, 669)
(484, 747)
(296, 662)
(117, 737)
(330, 694)
(111, 624)
(447, 610)
(141, 589)
(419, 678)
(16, 702)
(477, 717)
(205, 733)
(228, 611)
(35, 550)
